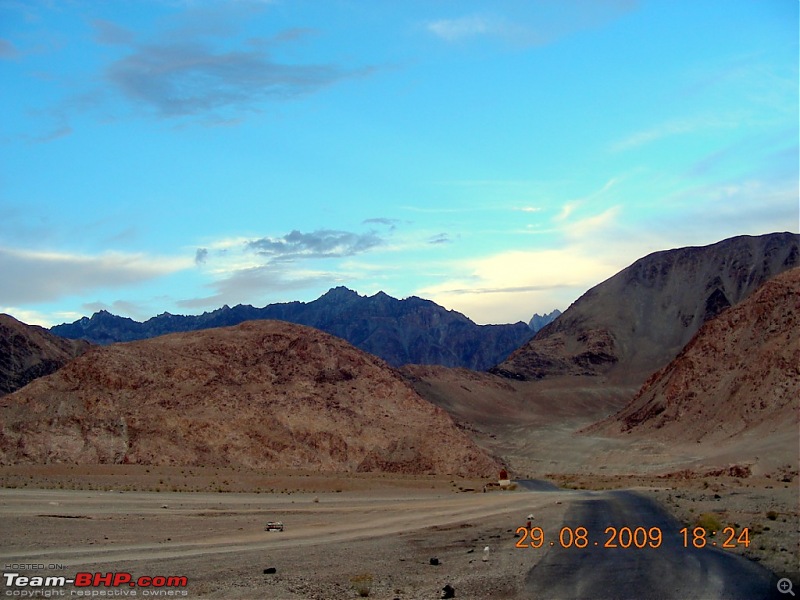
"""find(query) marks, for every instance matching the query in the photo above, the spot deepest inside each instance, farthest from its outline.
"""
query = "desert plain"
(374, 535)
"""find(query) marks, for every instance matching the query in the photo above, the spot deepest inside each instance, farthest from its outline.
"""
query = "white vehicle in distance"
(274, 526)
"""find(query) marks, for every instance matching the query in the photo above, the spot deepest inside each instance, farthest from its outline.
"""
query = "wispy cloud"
(675, 127)
(734, 207)
(57, 133)
(453, 30)
(32, 276)
(381, 221)
(201, 65)
(566, 211)
(440, 238)
(589, 225)
(198, 66)
(541, 24)
(569, 207)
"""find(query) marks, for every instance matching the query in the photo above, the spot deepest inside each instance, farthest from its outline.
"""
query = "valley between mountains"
(379, 423)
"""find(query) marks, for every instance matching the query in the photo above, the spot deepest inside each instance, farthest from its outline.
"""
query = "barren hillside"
(261, 394)
(741, 372)
(638, 320)
(28, 352)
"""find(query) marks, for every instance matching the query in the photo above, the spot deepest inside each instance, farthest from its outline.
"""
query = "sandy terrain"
(383, 529)
(386, 535)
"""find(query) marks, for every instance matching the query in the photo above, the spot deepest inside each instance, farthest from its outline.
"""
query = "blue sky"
(499, 158)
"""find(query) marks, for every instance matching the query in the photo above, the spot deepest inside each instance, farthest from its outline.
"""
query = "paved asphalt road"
(669, 571)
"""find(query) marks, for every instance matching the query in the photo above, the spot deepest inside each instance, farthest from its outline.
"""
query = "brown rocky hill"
(28, 352)
(264, 394)
(638, 320)
(740, 372)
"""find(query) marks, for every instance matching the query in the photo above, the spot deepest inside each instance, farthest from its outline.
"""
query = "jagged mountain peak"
(413, 330)
(340, 292)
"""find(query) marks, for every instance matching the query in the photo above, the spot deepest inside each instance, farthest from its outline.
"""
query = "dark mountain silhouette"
(409, 331)
(28, 352)
(638, 320)
(538, 321)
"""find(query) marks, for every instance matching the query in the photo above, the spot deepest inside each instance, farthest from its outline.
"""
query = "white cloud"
(589, 226)
(35, 317)
(512, 285)
(568, 208)
(33, 276)
(509, 286)
(566, 211)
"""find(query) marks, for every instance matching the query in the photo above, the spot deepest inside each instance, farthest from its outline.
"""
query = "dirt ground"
(375, 535)
(377, 542)
(345, 537)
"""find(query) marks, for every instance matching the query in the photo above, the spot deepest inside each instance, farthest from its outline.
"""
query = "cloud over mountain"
(52, 275)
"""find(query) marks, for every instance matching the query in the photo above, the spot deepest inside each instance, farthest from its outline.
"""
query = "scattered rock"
(434, 561)
(448, 591)
(270, 571)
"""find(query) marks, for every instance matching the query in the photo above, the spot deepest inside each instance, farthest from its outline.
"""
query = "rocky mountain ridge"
(538, 321)
(740, 371)
(635, 322)
(28, 352)
(408, 331)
